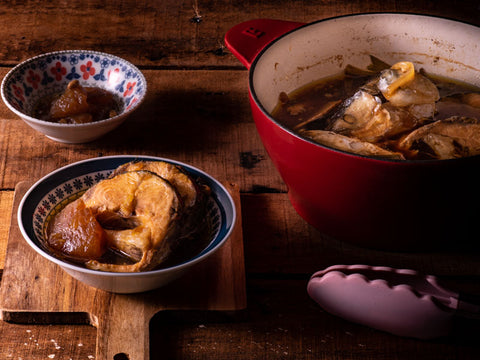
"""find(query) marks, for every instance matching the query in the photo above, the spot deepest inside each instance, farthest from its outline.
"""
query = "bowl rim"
(254, 97)
(60, 125)
(207, 251)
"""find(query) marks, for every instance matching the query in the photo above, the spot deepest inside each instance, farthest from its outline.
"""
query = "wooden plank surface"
(197, 111)
(36, 291)
(205, 133)
(171, 33)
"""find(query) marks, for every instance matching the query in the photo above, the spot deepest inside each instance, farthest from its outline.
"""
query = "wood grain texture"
(279, 311)
(281, 322)
(206, 133)
(174, 34)
(36, 291)
(6, 207)
(197, 111)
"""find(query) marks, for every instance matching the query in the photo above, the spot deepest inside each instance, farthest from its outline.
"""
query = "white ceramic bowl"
(67, 182)
(50, 73)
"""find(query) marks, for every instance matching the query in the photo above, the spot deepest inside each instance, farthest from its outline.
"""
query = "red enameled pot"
(384, 204)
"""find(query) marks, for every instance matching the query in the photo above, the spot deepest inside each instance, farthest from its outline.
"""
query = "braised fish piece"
(398, 100)
(401, 85)
(134, 220)
(192, 194)
(391, 111)
(451, 138)
(188, 189)
(367, 118)
(363, 117)
(139, 211)
(349, 144)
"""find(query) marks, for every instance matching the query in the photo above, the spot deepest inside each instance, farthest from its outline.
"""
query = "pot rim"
(254, 96)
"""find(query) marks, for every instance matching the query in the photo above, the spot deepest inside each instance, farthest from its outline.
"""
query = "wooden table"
(179, 47)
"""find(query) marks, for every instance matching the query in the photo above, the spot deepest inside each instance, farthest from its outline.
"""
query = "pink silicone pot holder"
(399, 301)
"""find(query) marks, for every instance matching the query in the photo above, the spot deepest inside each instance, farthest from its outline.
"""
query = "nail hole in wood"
(121, 356)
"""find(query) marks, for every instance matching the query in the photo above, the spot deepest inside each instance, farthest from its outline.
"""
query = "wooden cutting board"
(36, 291)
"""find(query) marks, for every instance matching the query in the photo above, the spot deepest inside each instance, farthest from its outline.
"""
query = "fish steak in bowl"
(135, 256)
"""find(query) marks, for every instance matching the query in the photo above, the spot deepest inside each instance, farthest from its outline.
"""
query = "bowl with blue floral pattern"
(45, 75)
(51, 193)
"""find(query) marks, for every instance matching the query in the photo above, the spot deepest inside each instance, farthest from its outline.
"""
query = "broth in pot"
(387, 111)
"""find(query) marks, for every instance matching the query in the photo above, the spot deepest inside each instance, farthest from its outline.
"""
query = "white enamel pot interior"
(324, 48)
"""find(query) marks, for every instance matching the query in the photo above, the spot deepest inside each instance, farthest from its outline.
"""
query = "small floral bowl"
(49, 194)
(47, 74)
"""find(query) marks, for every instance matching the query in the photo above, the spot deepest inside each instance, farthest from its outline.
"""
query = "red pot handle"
(246, 39)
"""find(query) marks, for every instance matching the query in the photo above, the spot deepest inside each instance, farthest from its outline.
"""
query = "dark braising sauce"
(305, 102)
(380, 114)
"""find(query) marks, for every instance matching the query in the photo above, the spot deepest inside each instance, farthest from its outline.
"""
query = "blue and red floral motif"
(94, 69)
(56, 198)
(70, 189)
